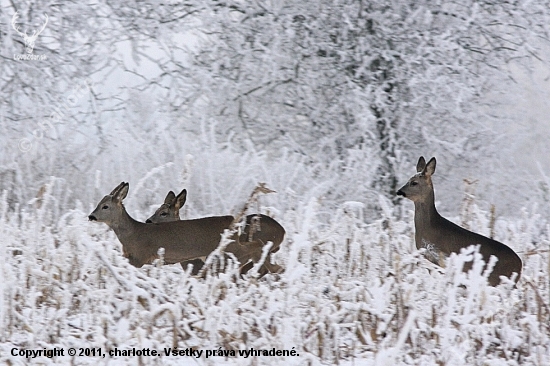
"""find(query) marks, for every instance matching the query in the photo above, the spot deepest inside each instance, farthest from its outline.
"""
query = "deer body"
(262, 229)
(182, 240)
(258, 229)
(441, 237)
(141, 241)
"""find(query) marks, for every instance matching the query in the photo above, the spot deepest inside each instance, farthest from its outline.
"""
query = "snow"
(327, 103)
(351, 293)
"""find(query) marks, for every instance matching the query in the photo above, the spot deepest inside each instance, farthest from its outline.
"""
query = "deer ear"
(169, 197)
(122, 192)
(180, 199)
(117, 188)
(420, 165)
(430, 167)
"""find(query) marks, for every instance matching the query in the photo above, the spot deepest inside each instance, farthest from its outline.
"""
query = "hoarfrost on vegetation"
(327, 102)
(352, 292)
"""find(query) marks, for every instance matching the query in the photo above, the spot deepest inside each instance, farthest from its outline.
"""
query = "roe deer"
(182, 240)
(169, 211)
(258, 228)
(441, 237)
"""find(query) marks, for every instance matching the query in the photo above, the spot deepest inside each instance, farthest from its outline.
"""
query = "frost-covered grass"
(354, 292)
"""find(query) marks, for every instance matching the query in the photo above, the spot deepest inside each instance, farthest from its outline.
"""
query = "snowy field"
(330, 104)
(355, 292)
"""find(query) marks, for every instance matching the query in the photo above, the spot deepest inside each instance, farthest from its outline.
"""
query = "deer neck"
(425, 213)
(125, 226)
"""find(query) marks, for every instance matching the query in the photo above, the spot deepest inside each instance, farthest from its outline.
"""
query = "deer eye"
(163, 214)
(105, 207)
(413, 183)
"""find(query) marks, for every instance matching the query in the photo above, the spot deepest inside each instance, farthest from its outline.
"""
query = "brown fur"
(182, 240)
(258, 228)
(442, 237)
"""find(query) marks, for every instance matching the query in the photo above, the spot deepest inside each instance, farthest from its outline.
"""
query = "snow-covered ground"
(353, 293)
(326, 102)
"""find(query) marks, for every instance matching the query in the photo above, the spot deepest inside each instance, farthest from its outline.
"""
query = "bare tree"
(328, 76)
(353, 85)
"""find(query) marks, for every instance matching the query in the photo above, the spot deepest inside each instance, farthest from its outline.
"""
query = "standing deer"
(441, 237)
(258, 228)
(169, 211)
(182, 240)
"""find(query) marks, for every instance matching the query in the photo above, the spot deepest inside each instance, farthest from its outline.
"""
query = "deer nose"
(148, 221)
(92, 218)
(401, 193)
